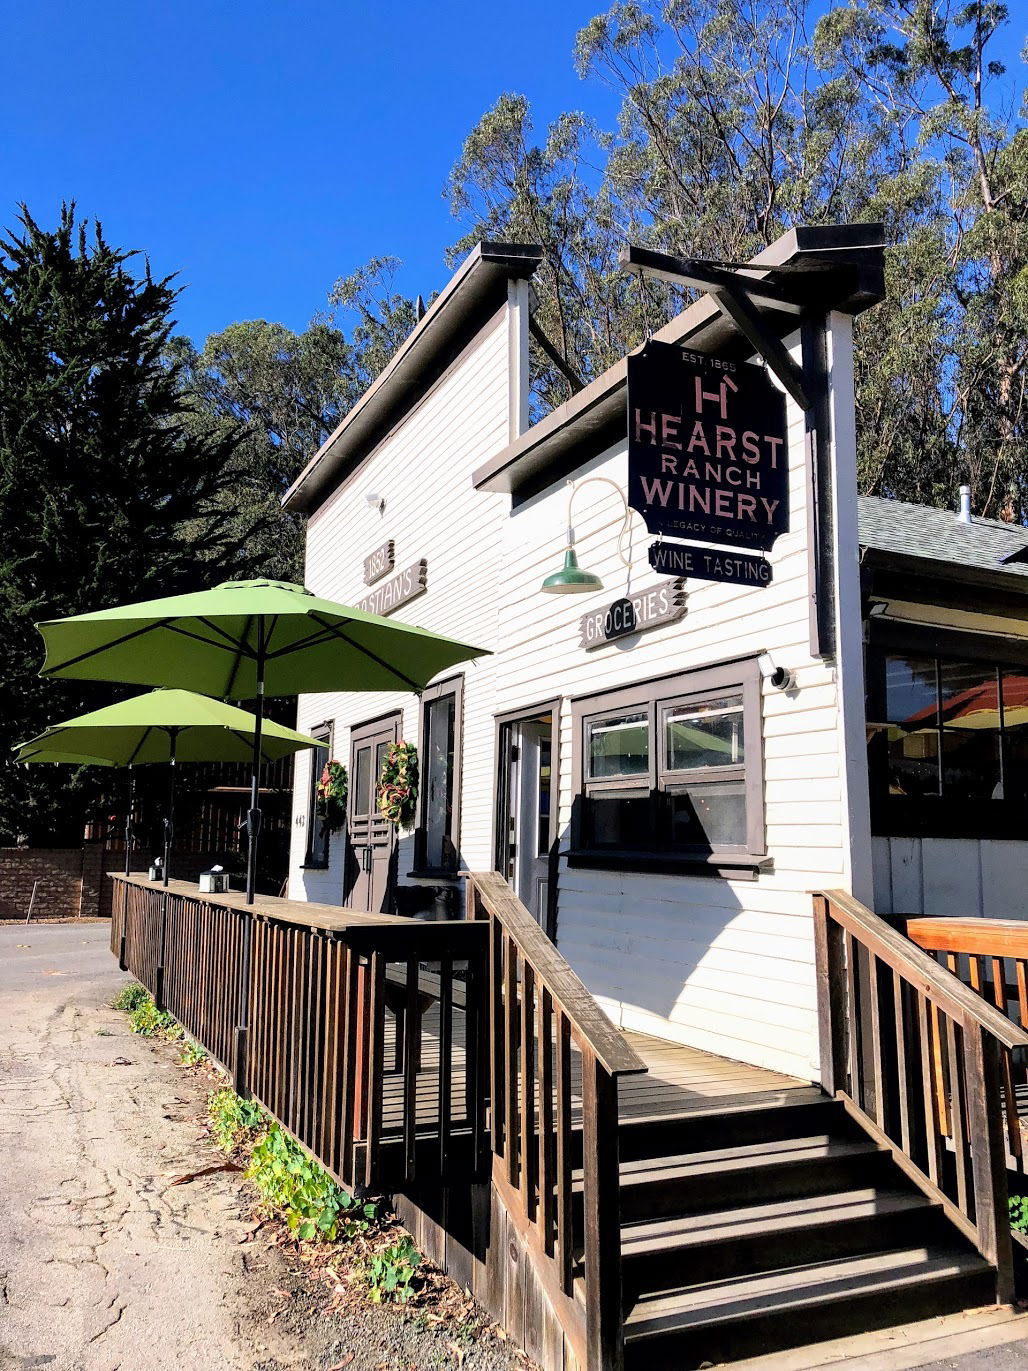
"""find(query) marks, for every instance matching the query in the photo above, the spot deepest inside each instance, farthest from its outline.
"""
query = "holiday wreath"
(331, 796)
(397, 792)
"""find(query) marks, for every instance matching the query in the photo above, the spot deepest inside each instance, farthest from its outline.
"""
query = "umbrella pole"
(253, 818)
(169, 818)
(128, 821)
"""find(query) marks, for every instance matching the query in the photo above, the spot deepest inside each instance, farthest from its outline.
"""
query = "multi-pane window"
(437, 835)
(947, 744)
(317, 833)
(673, 767)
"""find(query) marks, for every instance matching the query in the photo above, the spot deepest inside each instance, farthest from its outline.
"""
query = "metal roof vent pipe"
(964, 512)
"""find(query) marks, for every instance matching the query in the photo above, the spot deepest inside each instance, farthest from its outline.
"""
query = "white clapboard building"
(664, 766)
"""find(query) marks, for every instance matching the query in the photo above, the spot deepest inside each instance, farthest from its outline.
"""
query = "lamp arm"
(574, 488)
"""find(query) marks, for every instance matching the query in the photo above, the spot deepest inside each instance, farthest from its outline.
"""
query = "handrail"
(607, 1043)
(973, 937)
(950, 994)
(924, 1065)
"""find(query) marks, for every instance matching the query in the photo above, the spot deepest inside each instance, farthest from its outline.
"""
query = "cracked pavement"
(103, 1264)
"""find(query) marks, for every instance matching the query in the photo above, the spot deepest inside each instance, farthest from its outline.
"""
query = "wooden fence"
(921, 1061)
(359, 1033)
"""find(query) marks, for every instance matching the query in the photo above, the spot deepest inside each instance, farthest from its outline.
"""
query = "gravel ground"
(105, 1264)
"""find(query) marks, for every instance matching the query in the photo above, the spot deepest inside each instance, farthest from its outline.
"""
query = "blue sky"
(262, 150)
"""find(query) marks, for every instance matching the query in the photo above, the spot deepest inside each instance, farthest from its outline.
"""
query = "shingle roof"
(937, 535)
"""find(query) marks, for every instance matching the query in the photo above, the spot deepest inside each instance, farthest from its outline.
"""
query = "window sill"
(314, 866)
(432, 873)
(726, 865)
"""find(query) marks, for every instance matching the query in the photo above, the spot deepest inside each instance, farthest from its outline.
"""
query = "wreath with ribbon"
(397, 793)
(332, 788)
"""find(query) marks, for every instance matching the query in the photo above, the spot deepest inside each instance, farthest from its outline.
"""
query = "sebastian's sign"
(710, 564)
(648, 608)
(379, 563)
(396, 591)
(707, 448)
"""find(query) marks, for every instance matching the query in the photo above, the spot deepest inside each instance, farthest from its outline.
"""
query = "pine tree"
(107, 494)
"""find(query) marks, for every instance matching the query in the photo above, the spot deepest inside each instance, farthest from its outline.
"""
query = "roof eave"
(937, 569)
(475, 290)
(850, 258)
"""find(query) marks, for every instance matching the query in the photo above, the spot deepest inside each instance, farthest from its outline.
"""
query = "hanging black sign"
(710, 564)
(707, 448)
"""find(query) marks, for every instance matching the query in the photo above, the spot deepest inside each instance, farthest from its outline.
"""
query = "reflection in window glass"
(620, 821)
(913, 762)
(542, 830)
(710, 734)
(711, 816)
(971, 768)
(438, 781)
(910, 690)
(969, 695)
(1015, 729)
(362, 781)
(618, 746)
(317, 833)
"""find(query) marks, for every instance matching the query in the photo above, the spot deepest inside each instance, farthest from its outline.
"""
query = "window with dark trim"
(317, 834)
(947, 739)
(437, 835)
(669, 773)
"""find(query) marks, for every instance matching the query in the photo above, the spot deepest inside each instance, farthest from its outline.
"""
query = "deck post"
(158, 986)
(602, 1214)
(241, 1034)
(831, 996)
(988, 1154)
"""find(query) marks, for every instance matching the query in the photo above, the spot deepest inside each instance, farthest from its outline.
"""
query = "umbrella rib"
(240, 645)
(104, 647)
(138, 747)
(338, 633)
(314, 640)
(248, 742)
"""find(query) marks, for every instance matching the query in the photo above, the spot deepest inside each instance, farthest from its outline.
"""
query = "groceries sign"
(707, 448)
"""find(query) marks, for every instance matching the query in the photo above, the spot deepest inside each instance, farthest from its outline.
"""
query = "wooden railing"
(359, 1033)
(920, 1060)
(991, 957)
(554, 1064)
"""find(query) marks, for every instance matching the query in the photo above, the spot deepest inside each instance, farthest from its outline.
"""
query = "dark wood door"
(371, 836)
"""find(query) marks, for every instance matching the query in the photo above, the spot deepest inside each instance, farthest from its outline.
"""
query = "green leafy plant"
(1019, 1213)
(232, 1117)
(192, 1054)
(130, 997)
(304, 1194)
(150, 1022)
(391, 1271)
(332, 790)
(397, 790)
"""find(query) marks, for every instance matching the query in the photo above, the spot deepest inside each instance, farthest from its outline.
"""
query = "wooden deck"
(679, 1080)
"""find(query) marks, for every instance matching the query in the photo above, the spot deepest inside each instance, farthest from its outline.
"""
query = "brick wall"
(70, 881)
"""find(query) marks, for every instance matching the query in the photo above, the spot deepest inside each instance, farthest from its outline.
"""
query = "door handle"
(366, 862)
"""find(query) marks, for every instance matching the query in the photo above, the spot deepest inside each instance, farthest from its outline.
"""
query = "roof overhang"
(846, 270)
(932, 578)
(477, 289)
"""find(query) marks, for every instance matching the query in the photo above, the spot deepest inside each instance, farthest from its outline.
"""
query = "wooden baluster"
(928, 1057)
(602, 1222)
(510, 1040)
(544, 1067)
(446, 1054)
(975, 967)
(902, 1078)
(527, 1136)
(854, 1019)
(1022, 990)
(999, 994)
(565, 1222)
(376, 1061)
(956, 1111)
(988, 1161)
(942, 1103)
(497, 1056)
(351, 1010)
(411, 1064)
(875, 1045)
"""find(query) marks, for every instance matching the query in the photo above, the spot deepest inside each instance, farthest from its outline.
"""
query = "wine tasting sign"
(707, 448)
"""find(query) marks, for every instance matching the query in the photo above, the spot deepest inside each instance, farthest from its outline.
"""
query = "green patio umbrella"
(163, 726)
(245, 639)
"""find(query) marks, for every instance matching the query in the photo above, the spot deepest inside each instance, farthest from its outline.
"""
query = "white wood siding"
(422, 470)
(724, 965)
(954, 877)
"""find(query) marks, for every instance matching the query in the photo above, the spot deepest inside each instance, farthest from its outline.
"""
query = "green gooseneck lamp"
(571, 579)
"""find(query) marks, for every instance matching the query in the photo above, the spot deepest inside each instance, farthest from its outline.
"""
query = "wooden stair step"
(721, 1320)
(774, 1233)
(743, 1120)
